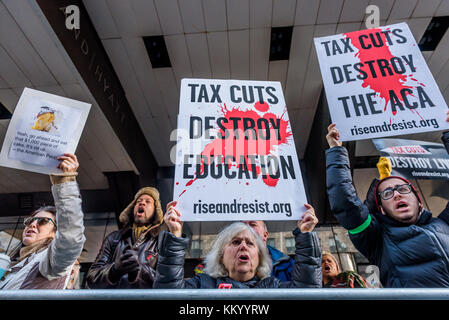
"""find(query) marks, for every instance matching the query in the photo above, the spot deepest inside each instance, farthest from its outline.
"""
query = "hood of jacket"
(127, 216)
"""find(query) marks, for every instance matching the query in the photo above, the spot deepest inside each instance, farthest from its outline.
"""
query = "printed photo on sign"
(43, 127)
(378, 84)
(44, 133)
(413, 159)
(236, 158)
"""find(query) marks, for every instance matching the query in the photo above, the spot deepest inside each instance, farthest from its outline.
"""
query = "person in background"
(238, 258)
(128, 257)
(53, 237)
(409, 246)
(334, 278)
(282, 264)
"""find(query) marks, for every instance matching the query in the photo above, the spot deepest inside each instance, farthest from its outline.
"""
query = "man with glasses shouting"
(410, 247)
(53, 237)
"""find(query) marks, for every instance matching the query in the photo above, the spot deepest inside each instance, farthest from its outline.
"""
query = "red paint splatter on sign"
(262, 107)
(241, 150)
(380, 84)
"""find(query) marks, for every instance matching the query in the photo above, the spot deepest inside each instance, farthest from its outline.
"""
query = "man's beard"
(141, 221)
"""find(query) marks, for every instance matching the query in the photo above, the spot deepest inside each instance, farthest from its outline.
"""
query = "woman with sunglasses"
(53, 237)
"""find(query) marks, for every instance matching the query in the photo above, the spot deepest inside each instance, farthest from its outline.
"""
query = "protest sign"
(378, 84)
(413, 159)
(43, 127)
(235, 157)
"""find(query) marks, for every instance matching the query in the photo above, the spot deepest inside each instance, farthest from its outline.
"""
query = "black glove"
(134, 268)
(127, 263)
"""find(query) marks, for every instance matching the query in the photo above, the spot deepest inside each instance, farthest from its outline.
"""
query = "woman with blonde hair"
(238, 258)
(334, 278)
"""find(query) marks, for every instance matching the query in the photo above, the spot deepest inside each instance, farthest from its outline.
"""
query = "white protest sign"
(413, 159)
(223, 175)
(43, 127)
(378, 84)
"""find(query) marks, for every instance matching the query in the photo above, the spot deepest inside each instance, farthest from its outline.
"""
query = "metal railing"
(240, 294)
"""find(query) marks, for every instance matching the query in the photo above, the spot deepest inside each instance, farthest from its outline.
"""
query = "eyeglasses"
(389, 192)
(40, 221)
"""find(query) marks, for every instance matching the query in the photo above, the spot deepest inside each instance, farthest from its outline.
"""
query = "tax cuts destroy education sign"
(236, 158)
(378, 84)
(413, 159)
(43, 127)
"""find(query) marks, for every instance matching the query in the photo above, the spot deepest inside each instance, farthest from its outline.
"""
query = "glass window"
(196, 249)
(290, 245)
(341, 246)
(271, 242)
(332, 246)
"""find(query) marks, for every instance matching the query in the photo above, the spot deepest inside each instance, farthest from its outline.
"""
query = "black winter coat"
(445, 214)
(111, 251)
(407, 256)
(170, 269)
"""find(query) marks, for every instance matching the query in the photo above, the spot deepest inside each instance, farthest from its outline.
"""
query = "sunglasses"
(389, 192)
(39, 220)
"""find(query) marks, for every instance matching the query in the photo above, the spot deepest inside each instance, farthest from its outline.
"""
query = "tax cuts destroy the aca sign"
(378, 84)
(236, 158)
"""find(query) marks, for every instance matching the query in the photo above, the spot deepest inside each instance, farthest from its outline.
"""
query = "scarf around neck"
(35, 247)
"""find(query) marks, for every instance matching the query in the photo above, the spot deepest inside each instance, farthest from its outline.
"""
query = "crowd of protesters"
(391, 228)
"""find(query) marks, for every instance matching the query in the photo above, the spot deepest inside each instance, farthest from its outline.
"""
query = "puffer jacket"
(282, 264)
(407, 256)
(170, 268)
(50, 268)
(112, 249)
(445, 213)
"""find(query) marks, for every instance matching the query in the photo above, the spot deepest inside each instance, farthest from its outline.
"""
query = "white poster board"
(378, 84)
(43, 127)
(221, 175)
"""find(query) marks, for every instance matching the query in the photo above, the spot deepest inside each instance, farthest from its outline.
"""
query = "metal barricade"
(240, 294)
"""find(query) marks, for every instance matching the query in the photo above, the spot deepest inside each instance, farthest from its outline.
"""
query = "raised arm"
(307, 269)
(172, 249)
(445, 213)
(347, 207)
(68, 243)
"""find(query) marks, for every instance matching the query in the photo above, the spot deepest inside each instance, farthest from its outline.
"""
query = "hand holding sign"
(384, 167)
(172, 219)
(68, 163)
(309, 220)
(333, 136)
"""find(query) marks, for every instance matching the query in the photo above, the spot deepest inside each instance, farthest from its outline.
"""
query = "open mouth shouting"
(140, 211)
(401, 206)
(243, 258)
